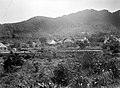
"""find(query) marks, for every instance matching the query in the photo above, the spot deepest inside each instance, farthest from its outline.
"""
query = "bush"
(112, 45)
(12, 61)
(61, 76)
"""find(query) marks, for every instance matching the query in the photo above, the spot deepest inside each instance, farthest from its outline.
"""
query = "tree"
(30, 43)
(16, 45)
(11, 61)
(80, 44)
(111, 45)
(61, 76)
(43, 40)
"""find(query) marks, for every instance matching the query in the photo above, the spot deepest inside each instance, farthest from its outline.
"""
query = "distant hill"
(86, 21)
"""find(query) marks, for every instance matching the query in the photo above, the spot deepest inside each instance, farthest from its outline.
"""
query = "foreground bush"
(11, 62)
(89, 71)
(61, 76)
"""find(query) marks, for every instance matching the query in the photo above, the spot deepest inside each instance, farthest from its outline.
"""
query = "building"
(51, 42)
(68, 43)
(67, 40)
(3, 47)
(84, 40)
(24, 45)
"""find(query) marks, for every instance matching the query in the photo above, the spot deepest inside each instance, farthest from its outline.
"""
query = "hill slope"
(89, 21)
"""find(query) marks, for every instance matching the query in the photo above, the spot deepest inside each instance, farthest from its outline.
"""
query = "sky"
(19, 10)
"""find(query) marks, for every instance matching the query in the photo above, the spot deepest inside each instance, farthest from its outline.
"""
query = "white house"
(51, 42)
(67, 40)
(3, 47)
(84, 40)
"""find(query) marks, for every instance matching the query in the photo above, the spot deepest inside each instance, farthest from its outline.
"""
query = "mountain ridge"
(89, 21)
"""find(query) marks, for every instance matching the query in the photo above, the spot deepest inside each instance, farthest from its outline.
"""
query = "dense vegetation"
(89, 70)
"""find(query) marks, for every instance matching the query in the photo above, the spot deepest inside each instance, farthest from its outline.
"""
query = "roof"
(51, 42)
(2, 45)
(68, 40)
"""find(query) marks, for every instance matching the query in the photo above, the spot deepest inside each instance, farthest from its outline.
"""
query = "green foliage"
(43, 40)
(82, 45)
(11, 62)
(90, 69)
(112, 45)
(61, 76)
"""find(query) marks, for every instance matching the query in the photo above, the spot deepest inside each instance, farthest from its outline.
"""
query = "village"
(32, 46)
(66, 44)
(61, 63)
(63, 44)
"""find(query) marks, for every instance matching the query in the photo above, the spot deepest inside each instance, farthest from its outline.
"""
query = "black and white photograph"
(59, 43)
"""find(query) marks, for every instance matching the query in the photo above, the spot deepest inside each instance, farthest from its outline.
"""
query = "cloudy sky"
(19, 10)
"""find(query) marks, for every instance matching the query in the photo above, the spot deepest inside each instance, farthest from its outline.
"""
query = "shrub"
(12, 61)
(61, 76)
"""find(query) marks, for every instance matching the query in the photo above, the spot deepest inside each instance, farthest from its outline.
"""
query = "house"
(59, 41)
(67, 40)
(3, 47)
(51, 42)
(84, 40)
(34, 44)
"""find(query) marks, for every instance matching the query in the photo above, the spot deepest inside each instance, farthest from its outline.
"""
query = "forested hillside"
(87, 21)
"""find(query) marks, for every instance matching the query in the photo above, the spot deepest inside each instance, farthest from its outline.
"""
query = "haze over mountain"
(86, 21)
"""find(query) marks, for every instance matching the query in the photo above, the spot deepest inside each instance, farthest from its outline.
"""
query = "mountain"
(75, 24)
